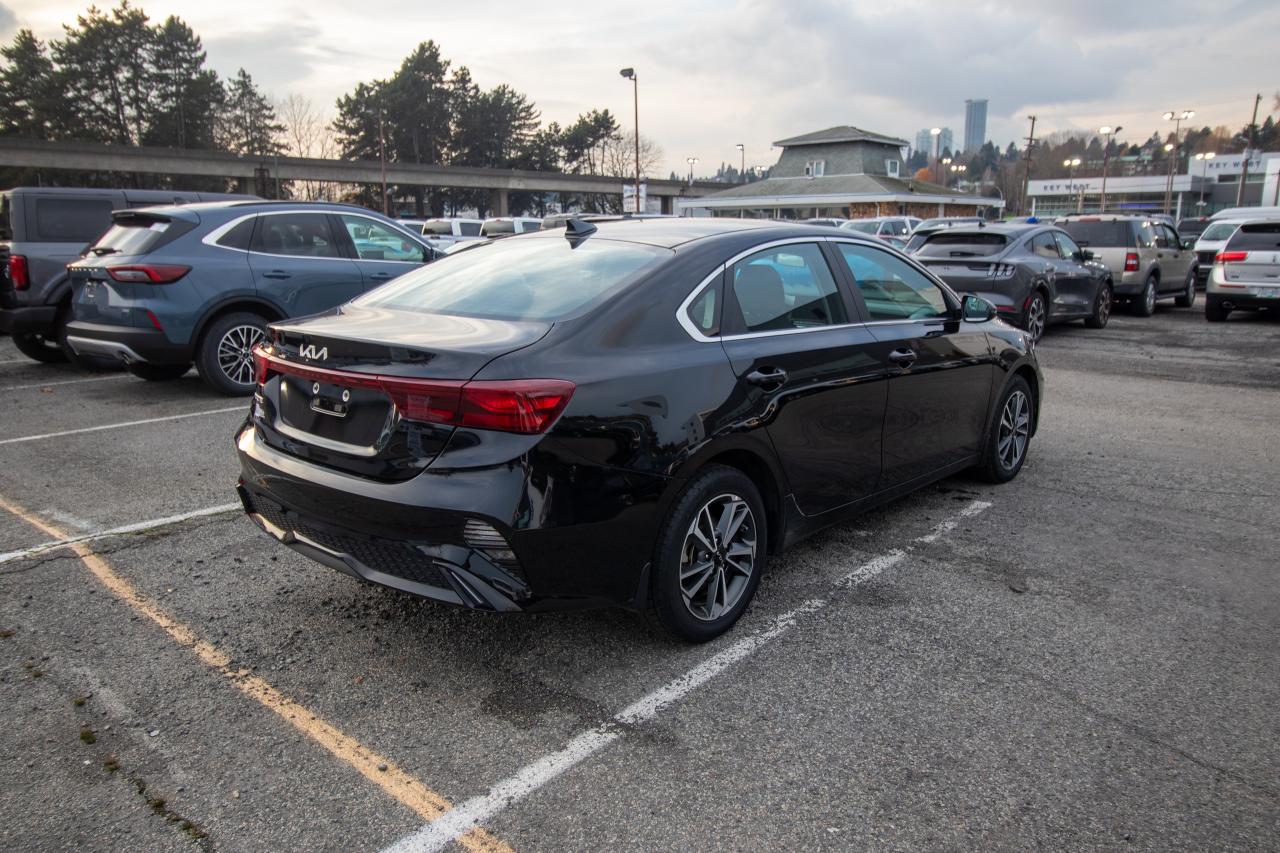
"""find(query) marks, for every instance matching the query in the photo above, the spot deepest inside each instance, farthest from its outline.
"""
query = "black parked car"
(630, 412)
(1033, 273)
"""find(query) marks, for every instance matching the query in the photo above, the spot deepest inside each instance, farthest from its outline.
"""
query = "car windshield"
(1219, 231)
(962, 244)
(529, 279)
(863, 227)
(1114, 232)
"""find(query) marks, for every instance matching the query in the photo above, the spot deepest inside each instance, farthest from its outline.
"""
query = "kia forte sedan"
(633, 412)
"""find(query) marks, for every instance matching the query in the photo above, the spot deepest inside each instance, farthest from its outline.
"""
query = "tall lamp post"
(942, 164)
(957, 169)
(1204, 157)
(1071, 174)
(691, 161)
(630, 74)
(742, 151)
(1177, 118)
(1107, 132)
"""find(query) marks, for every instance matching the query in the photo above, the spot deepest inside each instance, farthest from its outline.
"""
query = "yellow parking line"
(376, 768)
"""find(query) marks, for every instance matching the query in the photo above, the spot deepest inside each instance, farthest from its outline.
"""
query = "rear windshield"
(1116, 232)
(526, 279)
(1257, 237)
(507, 227)
(864, 227)
(469, 229)
(437, 228)
(1219, 231)
(962, 244)
(131, 237)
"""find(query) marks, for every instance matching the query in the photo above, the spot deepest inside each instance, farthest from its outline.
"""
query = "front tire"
(1101, 308)
(39, 348)
(1009, 436)
(224, 357)
(1188, 296)
(1145, 304)
(711, 550)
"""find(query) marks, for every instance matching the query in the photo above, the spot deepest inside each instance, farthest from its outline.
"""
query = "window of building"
(891, 167)
(815, 168)
(789, 287)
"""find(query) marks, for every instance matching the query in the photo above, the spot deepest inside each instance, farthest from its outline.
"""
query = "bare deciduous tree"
(307, 133)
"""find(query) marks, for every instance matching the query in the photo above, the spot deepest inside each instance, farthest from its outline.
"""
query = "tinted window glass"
(303, 235)
(136, 237)
(1146, 236)
(1259, 237)
(469, 229)
(1066, 245)
(238, 237)
(789, 287)
(1113, 233)
(71, 220)
(863, 227)
(438, 228)
(1044, 246)
(534, 279)
(891, 288)
(6, 226)
(376, 242)
(704, 311)
(960, 244)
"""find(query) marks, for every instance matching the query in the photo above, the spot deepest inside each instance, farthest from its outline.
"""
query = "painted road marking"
(440, 833)
(378, 769)
(66, 382)
(137, 527)
(243, 408)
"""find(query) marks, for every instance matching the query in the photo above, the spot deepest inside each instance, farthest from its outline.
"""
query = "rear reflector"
(527, 406)
(1131, 262)
(1231, 257)
(18, 274)
(148, 273)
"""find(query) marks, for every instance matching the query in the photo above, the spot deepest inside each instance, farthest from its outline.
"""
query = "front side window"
(375, 242)
(1043, 245)
(1066, 245)
(304, 235)
(891, 288)
(789, 287)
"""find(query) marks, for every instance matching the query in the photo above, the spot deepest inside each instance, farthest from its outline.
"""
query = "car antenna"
(575, 231)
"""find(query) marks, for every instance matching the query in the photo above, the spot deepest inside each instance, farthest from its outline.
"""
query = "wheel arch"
(254, 305)
(755, 463)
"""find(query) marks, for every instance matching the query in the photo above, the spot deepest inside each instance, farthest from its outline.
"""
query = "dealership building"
(839, 172)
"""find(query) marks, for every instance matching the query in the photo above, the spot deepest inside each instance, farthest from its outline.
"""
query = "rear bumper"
(1244, 299)
(125, 343)
(32, 319)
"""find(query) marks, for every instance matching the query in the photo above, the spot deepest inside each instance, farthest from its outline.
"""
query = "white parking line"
(439, 833)
(136, 527)
(241, 408)
(67, 382)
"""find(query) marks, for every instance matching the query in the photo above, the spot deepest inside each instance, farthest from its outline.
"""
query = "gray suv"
(169, 286)
(1147, 258)
(42, 229)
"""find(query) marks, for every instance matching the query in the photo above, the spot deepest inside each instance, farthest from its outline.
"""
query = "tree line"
(116, 77)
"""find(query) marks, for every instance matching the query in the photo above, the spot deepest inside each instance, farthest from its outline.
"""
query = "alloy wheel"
(1015, 429)
(235, 352)
(717, 557)
(1104, 305)
(1036, 317)
(1149, 296)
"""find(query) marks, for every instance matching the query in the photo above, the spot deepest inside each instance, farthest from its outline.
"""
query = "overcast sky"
(718, 72)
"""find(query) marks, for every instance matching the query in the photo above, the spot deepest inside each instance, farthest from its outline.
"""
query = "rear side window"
(1115, 233)
(535, 279)
(71, 220)
(1259, 237)
(305, 235)
(469, 229)
(891, 288)
(6, 225)
(238, 237)
(704, 312)
(790, 287)
(1146, 235)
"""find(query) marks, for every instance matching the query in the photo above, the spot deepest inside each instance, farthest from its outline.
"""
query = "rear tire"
(224, 356)
(1188, 296)
(1101, 308)
(1145, 304)
(698, 587)
(157, 372)
(1009, 435)
(1036, 318)
(39, 347)
(1213, 310)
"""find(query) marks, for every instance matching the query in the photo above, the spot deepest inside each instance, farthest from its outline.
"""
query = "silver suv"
(1147, 258)
(1246, 273)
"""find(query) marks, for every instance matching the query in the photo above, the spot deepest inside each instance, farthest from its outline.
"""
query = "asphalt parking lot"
(1088, 657)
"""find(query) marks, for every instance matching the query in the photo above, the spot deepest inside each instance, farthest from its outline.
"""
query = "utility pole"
(1244, 170)
(382, 158)
(1026, 175)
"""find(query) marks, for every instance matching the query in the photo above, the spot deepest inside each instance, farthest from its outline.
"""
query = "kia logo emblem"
(310, 351)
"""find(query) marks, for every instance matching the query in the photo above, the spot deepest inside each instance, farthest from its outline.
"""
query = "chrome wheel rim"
(1149, 296)
(1035, 317)
(1191, 289)
(1104, 305)
(235, 353)
(718, 557)
(1015, 430)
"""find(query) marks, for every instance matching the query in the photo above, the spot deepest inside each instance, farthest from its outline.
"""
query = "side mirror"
(1189, 243)
(1084, 255)
(975, 309)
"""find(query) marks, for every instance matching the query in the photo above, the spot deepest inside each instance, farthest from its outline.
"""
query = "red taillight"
(527, 406)
(148, 273)
(1231, 257)
(18, 272)
(1131, 262)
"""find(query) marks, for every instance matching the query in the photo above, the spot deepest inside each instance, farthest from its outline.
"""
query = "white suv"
(444, 232)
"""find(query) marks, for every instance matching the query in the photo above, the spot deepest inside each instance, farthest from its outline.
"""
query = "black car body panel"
(653, 403)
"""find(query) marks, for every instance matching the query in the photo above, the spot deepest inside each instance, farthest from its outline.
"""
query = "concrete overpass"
(248, 171)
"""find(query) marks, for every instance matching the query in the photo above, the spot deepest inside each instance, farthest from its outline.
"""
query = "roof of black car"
(669, 233)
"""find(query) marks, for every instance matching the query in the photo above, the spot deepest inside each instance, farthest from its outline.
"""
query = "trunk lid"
(331, 394)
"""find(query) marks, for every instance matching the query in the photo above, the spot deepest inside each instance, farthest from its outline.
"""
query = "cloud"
(8, 21)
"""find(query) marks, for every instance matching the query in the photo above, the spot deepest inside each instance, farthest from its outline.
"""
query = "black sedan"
(1034, 273)
(634, 413)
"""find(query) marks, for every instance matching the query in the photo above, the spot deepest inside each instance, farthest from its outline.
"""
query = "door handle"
(280, 274)
(380, 276)
(904, 357)
(767, 377)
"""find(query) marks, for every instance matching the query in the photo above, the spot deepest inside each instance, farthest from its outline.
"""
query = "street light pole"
(630, 74)
(382, 159)
(945, 161)
(742, 151)
(1071, 175)
(1177, 118)
(1106, 131)
(691, 161)
(1204, 170)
